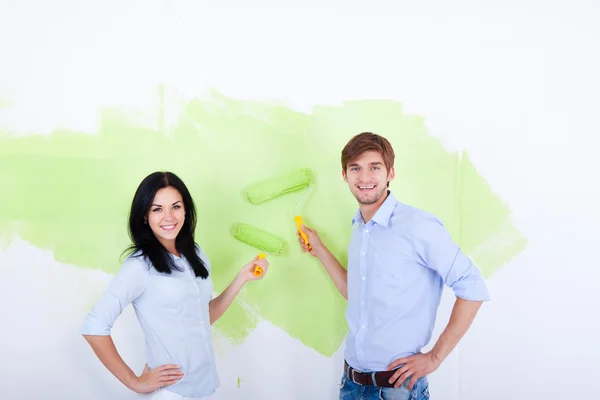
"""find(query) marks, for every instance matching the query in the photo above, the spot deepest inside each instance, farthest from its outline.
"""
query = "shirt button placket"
(198, 296)
(363, 293)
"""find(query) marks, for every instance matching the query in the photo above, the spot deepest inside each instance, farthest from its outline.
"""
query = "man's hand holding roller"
(320, 251)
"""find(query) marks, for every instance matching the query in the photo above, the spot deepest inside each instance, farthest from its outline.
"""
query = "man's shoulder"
(411, 217)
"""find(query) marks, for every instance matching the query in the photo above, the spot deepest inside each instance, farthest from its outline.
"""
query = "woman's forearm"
(105, 350)
(221, 303)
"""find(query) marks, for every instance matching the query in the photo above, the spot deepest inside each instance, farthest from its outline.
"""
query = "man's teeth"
(366, 187)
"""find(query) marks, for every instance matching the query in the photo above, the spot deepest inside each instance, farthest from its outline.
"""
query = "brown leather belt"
(378, 379)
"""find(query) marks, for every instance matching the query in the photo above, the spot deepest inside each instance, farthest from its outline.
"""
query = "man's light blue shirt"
(398, 264)
(173, 311)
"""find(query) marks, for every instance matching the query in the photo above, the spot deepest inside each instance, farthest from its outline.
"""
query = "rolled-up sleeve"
(128, 284)
(439, 253)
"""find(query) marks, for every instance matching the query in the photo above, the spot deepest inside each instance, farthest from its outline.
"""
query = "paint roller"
(259, 239)
(298, 219)
(265, 191)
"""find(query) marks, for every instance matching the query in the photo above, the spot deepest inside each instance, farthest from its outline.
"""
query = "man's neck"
(367, 211)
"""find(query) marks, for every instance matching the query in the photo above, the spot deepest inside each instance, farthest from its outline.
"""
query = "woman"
(167, 279)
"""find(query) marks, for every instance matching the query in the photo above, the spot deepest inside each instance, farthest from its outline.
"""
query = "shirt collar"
(383, 214)
(357, 217)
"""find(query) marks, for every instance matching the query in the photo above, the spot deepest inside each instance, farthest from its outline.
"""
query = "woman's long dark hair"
(143, 239)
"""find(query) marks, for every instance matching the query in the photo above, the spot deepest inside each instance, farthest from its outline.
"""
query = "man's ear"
(392, 174)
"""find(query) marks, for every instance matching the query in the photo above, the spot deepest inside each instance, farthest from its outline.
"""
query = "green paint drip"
(237, 323)
(70, 192)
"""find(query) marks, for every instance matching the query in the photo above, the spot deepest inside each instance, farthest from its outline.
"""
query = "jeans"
(353, 391)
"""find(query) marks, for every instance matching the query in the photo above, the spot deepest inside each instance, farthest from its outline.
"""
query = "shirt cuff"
(93, 326)
(473, 289)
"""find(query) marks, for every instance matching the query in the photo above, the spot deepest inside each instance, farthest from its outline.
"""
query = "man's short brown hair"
(368, 141)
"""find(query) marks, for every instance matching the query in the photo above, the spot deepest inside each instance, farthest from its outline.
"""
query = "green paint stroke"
(70, 192)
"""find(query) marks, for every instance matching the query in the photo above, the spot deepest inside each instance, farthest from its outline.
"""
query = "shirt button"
(363, 253)
(367, 231)
(363, 278)
(363, 327)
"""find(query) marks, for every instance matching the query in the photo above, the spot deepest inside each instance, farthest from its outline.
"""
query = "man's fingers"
(412, 381)
(397, 374)
(301, 241)
(306, 230)
(399, 361)
(400, 376)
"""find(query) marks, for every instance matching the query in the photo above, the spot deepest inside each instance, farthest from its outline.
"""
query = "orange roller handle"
(258, 271)
(299, 223)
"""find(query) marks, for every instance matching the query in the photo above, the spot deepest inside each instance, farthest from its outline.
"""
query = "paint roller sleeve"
(259, 239)
(264, 191)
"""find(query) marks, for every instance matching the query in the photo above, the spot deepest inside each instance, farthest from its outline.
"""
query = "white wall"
(514, 82)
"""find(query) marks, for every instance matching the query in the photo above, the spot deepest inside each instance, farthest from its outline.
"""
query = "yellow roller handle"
(299, 223)
(258, 270)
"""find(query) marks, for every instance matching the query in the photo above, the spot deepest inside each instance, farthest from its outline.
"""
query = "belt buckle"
(352, 376)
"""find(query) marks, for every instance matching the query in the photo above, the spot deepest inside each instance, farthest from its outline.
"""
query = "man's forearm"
(336, 271)
(463, 314)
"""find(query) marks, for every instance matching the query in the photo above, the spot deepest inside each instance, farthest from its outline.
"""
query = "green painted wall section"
(70, 192)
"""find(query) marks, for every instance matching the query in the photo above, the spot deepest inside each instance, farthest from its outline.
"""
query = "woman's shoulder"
(136, 264)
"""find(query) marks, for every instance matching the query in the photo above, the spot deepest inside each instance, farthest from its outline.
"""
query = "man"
(399, 260)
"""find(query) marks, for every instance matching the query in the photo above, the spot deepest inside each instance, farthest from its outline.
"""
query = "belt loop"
(374, 380)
